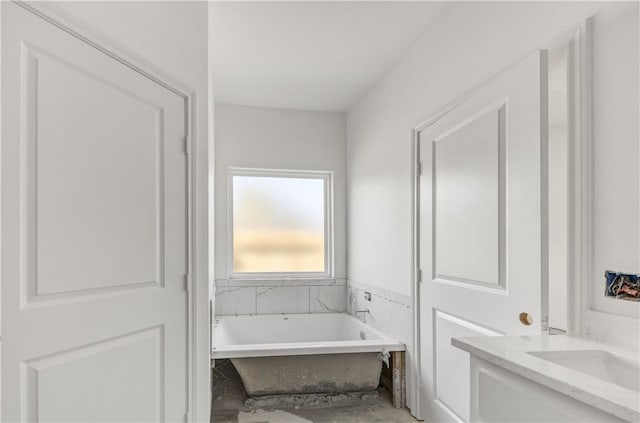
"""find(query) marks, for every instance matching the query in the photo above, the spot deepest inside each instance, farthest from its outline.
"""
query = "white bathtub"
(302, 353)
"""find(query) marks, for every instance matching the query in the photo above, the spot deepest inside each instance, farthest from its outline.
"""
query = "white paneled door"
(482, 202)
(94, 233)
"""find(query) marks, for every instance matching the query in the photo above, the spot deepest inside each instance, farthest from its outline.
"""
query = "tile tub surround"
(241, 296)
(512, 353)
(389, 311)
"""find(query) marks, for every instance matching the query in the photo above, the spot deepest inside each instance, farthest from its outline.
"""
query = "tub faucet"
(365, 311)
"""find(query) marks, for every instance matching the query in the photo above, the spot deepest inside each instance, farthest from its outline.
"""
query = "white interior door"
(481, 224)
(94, 233)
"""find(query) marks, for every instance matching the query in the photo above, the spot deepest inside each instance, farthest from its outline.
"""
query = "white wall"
(278, 139)
(171, 39)
(616, 135)
(616, 191)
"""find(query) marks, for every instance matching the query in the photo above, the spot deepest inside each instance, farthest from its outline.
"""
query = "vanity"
(551, 378)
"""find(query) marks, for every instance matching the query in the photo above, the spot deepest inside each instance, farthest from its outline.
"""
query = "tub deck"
(296, 334)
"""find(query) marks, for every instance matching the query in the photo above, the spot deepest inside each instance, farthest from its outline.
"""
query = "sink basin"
(597, 363)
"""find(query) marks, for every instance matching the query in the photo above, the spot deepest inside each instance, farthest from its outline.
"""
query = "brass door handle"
(526, 319)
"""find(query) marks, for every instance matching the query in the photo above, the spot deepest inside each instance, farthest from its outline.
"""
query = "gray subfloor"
(229, 405)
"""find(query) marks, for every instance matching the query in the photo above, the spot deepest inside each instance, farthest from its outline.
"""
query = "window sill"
(282, 282)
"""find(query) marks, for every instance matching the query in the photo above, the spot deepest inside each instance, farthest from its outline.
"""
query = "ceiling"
(309, 55)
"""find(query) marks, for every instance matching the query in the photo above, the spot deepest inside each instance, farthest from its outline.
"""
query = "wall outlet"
(367, 296)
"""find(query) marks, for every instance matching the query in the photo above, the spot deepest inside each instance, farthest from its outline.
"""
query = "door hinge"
(419, 275)
(187, 282)
(544, 323)
(186, 145)
(419, 168)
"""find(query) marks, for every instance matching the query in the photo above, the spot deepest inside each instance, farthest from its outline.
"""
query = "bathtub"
(302, 353)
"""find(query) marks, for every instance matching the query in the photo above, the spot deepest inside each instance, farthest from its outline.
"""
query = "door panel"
(94, 233)
(134, 361)
(451, 364)
(121, 166)
(481, 230)
(468, 175)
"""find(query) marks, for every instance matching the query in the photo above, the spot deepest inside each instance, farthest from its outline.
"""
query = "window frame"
(327, 178)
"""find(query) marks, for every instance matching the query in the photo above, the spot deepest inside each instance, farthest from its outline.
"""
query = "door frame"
(197, 315)
(580, 180)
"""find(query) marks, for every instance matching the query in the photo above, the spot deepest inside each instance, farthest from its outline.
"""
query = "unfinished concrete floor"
(229, 405)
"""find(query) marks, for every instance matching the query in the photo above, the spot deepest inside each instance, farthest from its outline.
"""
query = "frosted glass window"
(279, 223)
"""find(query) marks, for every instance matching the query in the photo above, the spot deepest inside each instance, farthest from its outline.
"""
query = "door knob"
(525, 319)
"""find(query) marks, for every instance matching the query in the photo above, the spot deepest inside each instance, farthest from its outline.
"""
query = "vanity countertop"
(512, 353)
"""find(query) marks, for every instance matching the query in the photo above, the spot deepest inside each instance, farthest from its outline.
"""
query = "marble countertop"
(511, 353)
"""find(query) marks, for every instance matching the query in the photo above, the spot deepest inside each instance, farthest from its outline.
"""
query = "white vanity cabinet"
(499, 395)
(546, 378)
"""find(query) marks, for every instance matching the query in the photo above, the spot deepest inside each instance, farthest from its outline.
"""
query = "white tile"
(235, 300)
(283, 299)
(328, 299)
(392, 318)
(385, 293)
(309, 282)
(255, 282)
(355, 301)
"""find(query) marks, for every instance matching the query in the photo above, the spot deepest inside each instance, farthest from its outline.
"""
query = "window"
(280, 224)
